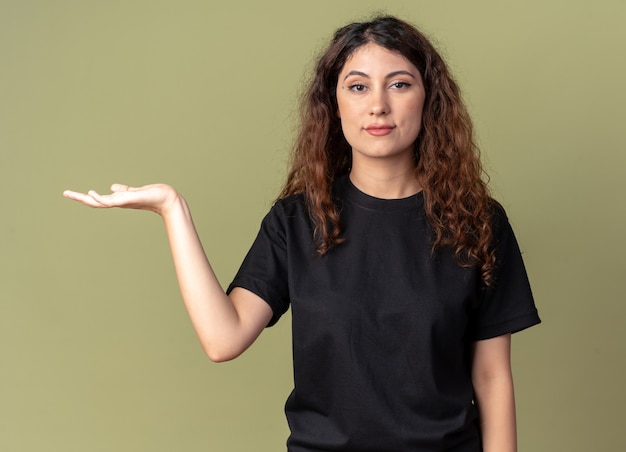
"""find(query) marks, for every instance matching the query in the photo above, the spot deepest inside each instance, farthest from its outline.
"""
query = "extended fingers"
(84, 198)
(149, 197)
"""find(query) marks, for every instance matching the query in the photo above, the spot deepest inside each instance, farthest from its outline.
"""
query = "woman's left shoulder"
(499, 217)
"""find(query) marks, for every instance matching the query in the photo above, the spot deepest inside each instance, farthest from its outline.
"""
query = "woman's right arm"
(226, 325)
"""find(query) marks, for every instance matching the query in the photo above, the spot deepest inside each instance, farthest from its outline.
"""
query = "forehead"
(375, 58)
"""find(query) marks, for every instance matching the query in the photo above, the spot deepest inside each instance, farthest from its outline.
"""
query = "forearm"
(494, 395)
(222, 330)
(496, 406)
(226, 325)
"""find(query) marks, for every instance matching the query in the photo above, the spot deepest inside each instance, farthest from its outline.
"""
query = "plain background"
(96, 351)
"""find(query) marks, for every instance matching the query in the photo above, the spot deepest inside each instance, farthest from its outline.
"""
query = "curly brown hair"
(457, 200)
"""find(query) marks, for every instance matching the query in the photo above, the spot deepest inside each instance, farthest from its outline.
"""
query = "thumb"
(119, 187)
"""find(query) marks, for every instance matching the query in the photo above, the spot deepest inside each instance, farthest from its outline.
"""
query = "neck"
(385, 182)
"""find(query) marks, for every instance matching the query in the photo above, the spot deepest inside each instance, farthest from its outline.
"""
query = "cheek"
(348, 128)
(346, 115)
(343, 104)
(342, 108)
(416, 112)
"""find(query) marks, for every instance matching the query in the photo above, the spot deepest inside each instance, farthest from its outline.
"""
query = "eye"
(357, 87)
(400, 85)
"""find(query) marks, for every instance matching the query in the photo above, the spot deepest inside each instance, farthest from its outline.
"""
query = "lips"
(379, 130)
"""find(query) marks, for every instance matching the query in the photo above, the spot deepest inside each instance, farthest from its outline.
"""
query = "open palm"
(153, 197)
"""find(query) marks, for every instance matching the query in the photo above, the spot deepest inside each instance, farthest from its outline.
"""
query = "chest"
(384, 279)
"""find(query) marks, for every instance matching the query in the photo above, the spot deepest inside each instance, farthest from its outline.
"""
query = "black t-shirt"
(382, 328)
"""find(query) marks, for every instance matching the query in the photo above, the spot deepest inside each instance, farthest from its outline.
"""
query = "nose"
(379, 103)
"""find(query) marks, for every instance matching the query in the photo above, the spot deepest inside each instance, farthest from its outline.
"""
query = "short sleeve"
(508, 305)
(264, 269)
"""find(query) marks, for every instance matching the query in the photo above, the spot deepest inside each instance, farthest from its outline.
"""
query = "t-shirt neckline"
(351, 193)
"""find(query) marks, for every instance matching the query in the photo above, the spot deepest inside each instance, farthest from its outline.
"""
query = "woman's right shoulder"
(288, 207)
(288, 216)
(291, 203)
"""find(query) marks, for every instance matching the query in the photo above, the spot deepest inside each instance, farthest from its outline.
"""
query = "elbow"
(221, 354)
(220, 358)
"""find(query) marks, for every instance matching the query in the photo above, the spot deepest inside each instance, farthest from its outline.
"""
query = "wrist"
(172, 202)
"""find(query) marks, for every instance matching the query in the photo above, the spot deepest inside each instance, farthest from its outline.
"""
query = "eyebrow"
(390, 75)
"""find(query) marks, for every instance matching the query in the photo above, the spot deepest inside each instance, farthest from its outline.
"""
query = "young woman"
(403, 276)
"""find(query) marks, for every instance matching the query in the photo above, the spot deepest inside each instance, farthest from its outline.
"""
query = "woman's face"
(380, 96)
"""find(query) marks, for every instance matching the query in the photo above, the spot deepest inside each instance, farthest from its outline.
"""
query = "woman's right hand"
(157, 198)
(226, 325)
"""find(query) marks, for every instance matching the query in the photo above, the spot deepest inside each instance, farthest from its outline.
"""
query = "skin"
(380, 88)
(493, 387)
(376, 88)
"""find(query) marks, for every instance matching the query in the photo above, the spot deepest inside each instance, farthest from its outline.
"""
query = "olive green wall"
(96, 351)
